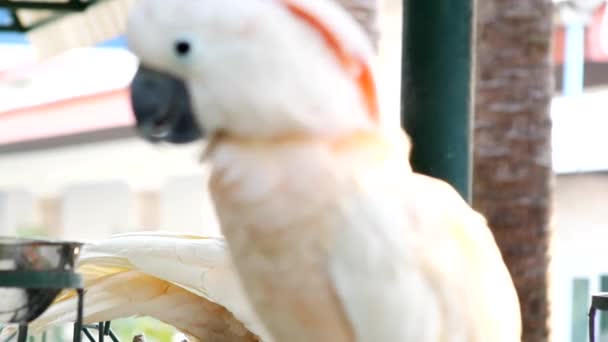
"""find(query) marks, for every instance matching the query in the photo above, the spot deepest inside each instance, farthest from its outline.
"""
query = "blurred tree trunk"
(512, 160)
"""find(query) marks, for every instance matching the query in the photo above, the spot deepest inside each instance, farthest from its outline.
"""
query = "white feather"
(197, 264)
(247, 72)
(421, 268)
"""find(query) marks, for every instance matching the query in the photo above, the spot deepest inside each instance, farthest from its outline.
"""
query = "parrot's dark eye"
(182, 48)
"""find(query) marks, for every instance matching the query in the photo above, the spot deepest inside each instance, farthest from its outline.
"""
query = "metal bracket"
(598, 302)
(103, 329)
(22, 335)
(62, 8)
(33, 279)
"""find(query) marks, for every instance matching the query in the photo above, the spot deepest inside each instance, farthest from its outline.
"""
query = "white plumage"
(332, 234)
(184, 280)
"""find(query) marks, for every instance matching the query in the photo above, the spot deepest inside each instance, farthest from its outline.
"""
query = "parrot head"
(250, 69)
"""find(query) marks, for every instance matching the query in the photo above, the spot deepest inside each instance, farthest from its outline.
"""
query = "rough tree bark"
(512, 161)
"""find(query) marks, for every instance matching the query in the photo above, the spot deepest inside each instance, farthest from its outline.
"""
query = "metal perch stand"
(35, 272)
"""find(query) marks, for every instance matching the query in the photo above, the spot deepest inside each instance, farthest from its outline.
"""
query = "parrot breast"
(280, 208)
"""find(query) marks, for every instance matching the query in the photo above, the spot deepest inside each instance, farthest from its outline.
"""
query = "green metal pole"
(437, 88)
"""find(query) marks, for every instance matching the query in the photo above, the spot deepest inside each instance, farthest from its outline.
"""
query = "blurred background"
(71, 166)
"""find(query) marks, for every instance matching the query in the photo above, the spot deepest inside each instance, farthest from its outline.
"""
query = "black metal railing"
(103, 331)
(15, 24)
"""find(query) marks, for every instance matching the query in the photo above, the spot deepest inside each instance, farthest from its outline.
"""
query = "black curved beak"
(162, 108)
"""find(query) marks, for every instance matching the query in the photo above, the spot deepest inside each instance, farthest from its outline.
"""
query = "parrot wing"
(159, 275)
(445, 273)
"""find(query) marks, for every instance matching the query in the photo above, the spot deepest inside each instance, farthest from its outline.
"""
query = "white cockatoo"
(186, 281)
(332, 234)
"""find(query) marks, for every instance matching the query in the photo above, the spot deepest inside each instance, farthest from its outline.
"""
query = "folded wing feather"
(184, 280)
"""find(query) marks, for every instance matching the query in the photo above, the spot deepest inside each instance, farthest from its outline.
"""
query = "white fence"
(88, 211)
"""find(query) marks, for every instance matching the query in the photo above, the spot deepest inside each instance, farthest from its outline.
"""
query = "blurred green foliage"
(153, 330)
(32, 232)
